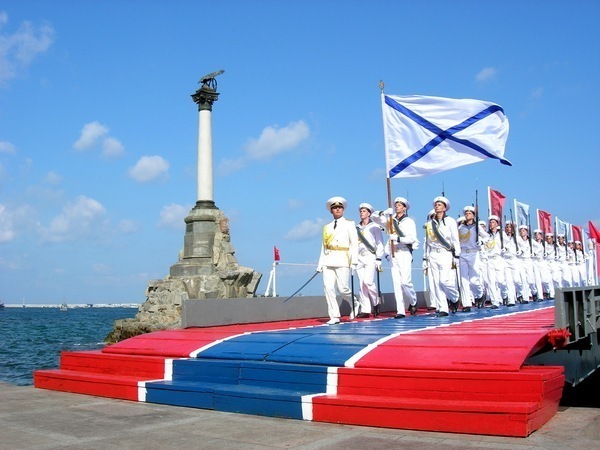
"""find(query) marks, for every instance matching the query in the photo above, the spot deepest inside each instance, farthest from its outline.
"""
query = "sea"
(32, 338)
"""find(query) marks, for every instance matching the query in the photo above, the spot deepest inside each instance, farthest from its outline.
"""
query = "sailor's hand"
(353, 269)
(320, 269)
(378, 265)
(394, 237)
(415, 245)
(389, 212)
(425, 264)
(519, 252)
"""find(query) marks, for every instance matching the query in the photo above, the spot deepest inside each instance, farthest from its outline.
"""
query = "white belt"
(439, 250)
(470, 250)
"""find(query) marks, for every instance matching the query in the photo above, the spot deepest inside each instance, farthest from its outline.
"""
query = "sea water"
(32, 338)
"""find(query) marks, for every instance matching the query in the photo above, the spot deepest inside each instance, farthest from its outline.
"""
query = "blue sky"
(98, 132)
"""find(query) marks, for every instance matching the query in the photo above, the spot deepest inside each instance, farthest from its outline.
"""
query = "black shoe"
(466, 309)
(520, 299)
(399, 316)
(375, 310)
(412, 309)
(442, 314)
(453, 306)
(494, 306)
(479, 302)
(510, 304)
(363, 316)
(505, 301)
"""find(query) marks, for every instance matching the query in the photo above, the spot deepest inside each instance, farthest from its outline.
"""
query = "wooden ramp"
(464, 373)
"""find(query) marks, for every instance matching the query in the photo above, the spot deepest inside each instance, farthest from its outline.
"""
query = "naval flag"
(521, 213)
(427, 135)
(544, 221)
(496, 202)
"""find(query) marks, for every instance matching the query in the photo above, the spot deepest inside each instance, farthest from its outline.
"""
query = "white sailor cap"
(578, 242)
(336, 201)
(431, 214)
(460, 219)
(549, 235)
(367, 207)
(494, 217)
(469, 208)
(560, 236)
(537, 230)
(442, 199)
(482, 222)
(508, 222)
(402, 200)
(523, 226)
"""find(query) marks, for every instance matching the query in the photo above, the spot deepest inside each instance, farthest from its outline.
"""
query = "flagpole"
(388, 182)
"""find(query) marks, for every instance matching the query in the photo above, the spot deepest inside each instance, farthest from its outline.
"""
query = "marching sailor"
(443, 250)
(402, 240)
(525, 247)
(470, 236)
(512, 272)
(496, 264)
(541, 267)
(581, 258)
(339, 256)
(563, 262)
(370, 252)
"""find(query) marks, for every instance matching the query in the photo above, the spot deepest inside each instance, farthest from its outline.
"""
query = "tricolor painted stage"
(465, 373)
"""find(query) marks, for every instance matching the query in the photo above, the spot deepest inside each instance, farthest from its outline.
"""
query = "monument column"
(204, 98)
(197, 258)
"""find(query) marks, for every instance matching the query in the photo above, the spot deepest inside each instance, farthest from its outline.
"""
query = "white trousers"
(336, 277)
(402, 280)
(497, 279)
(470, 271)
(365, 270)
(443, 279)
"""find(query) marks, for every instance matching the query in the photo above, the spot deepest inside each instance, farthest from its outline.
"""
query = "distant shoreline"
(70, 306)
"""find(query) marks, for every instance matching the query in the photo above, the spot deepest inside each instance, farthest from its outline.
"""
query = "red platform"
(462, 374)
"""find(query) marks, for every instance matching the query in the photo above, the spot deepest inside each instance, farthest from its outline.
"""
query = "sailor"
(525, 250)
(551, 257)
(443, 250)
(370, 252)
(430, 299)
(541, 269)
(496, 264)
(563, 262)
(402, 241)
(572, 263)
(339, 256)
(483, 262)
(512, 271)
(581, 258)
(470, 235)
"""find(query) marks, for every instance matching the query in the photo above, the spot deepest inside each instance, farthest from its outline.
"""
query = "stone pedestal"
(207, 269)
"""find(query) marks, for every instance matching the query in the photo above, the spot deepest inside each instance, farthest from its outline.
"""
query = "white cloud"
(53, 178)
(18, 49)
(78, 219)
(7, 230)
(537, 93)
(15, 221)
(112, 148)
(171, 216)
(7, 147)
(295, 205)
(305, 230)
(486, 74)
(274, 140)
(227, 166)
(149, 168)
(128, 226)
(91, 134)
